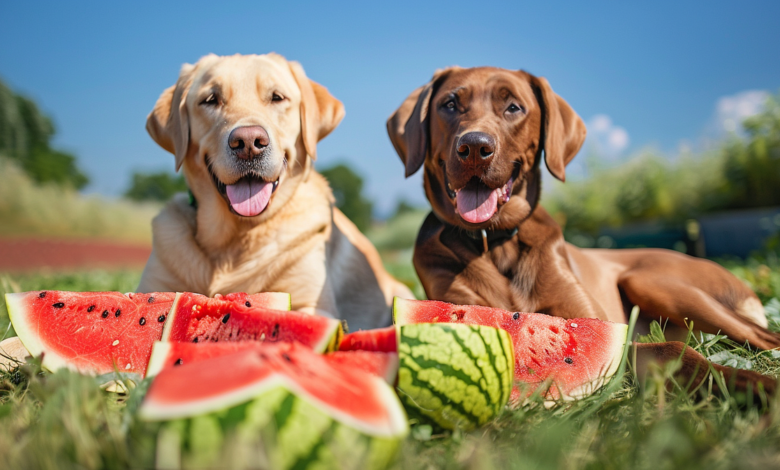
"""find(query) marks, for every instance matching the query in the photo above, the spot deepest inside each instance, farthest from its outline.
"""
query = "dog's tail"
(695, 369)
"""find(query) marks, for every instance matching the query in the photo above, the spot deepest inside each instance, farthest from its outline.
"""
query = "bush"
(742, 173)
(347, 188)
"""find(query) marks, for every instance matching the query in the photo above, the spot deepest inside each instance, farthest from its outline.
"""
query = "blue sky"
(640, 74)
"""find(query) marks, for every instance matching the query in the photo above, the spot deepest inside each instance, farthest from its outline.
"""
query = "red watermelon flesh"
(379, 340)
(195, 318)
(167, 354)
(350, 396)
(101, 332)
(381, 364)
(90, 332)
(573, 356)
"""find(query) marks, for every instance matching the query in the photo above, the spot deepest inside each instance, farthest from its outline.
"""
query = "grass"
(65, 421)
(29, 209)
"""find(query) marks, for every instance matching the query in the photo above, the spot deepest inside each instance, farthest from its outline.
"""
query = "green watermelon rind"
(308, 438)
(150, 411)
(428, 388)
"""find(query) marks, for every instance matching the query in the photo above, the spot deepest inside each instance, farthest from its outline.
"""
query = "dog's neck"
(485, 239)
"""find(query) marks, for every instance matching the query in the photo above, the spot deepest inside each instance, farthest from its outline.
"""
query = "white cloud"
(605, 138)
(730, 111)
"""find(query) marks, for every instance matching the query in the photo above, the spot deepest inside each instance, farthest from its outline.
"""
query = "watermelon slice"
(166, 355)
(102, 332)
(381, 364)
(379, 340)
(195, 318)
(571, 357)
(301, 409)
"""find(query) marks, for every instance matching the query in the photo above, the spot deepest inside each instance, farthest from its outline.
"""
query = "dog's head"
(244, 129)
(480, 133)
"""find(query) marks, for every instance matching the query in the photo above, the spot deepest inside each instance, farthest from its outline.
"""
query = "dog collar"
(487, 237)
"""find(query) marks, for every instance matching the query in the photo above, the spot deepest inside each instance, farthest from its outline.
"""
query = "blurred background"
(681, 101)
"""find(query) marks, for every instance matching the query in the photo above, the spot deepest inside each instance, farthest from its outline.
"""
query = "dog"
(480, 135)
(244, 131)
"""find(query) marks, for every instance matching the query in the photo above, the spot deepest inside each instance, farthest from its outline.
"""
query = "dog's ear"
(563, 132)
(169, 123)
(408, 126)
(321, 112)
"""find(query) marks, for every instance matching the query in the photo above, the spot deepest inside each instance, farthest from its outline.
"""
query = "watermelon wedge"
(301, 409)
(102, 332)
(382, 364)
(195, 318)
(171, 354)
(571, 358)
(379, 340)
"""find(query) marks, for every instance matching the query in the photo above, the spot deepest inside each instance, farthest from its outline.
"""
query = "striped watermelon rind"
(276, 404)
(289, 431)
(458, 376)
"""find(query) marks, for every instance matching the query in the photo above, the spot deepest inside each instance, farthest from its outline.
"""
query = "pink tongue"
(249, 197)
(477, 204)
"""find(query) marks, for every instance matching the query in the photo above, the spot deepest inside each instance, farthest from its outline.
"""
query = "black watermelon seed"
(142, 321)
(151, 301)
(105, 314)
(515, 315)
(195, 340)
(117, 313)
(286, 357)
(226, 318)
(43, 294)
(58, 305)
(568, 360)
(161, 318)
(248, 304)
(275, 333)
(178, 362)
(90, 308)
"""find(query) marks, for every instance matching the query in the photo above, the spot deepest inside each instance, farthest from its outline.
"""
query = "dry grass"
(28, 209)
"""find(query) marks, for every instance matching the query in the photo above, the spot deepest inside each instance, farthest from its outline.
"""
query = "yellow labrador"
(244, 129)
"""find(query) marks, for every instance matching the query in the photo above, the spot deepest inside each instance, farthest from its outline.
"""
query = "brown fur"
(536, 270)
(695, 369)
(300, 243)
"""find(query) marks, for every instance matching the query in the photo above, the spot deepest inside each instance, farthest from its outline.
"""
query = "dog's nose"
(248, 142)
(477, 145)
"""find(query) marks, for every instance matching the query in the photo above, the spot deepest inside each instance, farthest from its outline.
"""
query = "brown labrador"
(480, 135)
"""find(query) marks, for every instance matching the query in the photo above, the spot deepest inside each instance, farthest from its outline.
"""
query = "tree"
(155, 186)
(751, 169)
(25, 135)
(347, 188)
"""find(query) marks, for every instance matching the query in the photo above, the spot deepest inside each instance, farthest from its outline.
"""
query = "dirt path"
(26, 254)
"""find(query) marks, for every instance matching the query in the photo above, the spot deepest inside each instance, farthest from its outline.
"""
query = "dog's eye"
(210, 100)
(513, 108)
(277, 97)
(450, 105)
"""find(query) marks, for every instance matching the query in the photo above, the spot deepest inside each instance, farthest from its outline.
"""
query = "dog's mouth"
(476, 202)
(250, 195)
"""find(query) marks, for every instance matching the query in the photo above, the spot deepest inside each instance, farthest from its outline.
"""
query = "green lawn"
(64, 421)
